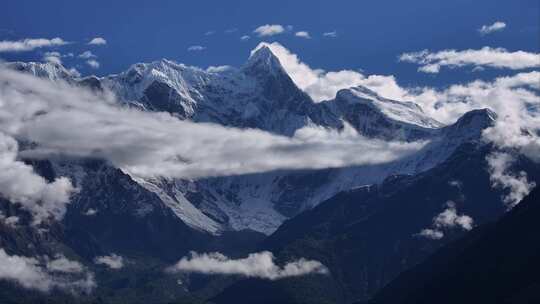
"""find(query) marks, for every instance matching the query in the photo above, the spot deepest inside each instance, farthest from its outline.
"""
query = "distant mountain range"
(364, 223)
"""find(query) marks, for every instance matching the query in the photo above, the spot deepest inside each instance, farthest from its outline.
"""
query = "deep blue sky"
(371, 34)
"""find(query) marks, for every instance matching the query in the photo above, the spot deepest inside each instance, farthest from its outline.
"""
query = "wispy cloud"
(517, 184)
(245, 37)
(495, 27)
(87, 55)
(196, 48)
(52, 57)
(209, 33)
(485, 57)
(29, 44)
(97, 41)
(303, 34)
(269, 30)
(257, 265)
(113, 261)
(332, 34)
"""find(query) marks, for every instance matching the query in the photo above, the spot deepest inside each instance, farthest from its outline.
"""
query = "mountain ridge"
(261, 95)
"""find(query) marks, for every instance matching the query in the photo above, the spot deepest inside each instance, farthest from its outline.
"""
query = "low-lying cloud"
(516, 184)
(113, 261)
(257, 265)
(446, 220)
(45, 274)
(63, 120)
(9, 221)
(20, 184)
(515, 131)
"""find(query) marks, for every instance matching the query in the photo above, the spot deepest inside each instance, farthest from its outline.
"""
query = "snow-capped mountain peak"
(470, 125)
(263, 60)
(400, 111)
(48, 70)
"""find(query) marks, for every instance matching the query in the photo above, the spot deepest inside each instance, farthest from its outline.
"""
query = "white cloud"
(431, 234)
(516, 129)
(55, 54)
(209, 33)
(29, 44)
(303, 34)
(87, 55)
(447, 219)
(196, 48)
(218, 69)
(256, 265)
(450, 219)
(269, 30)
(44, 274)
(52, 57)
(485, 57)
(97, 41)
(93, 63)
(332, 34)
(245, 37)
(516, 100)
(64, 120)
(112, 261)
(517, 185)
(74, 72)
(504, 95)
(10, 221)
(90, 212)
(322, 85)
(20, 184)
(61, 264)
(456, 183)
(56, 57)
(495, 27)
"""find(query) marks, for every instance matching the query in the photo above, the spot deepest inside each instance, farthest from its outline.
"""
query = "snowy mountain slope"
(376, 116)
(261, 95)
(292, 192)
(48, 70)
